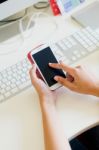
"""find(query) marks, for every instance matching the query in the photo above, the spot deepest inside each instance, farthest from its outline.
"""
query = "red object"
(31, 61)
(29, 54)
(54, 6)
(29, 57)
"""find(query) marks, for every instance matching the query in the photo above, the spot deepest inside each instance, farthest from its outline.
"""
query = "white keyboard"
(15, 79)
(77, 46)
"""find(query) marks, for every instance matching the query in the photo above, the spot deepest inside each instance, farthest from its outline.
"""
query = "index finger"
(62, 66)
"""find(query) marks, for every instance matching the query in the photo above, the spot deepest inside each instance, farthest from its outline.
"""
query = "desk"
(20, 117)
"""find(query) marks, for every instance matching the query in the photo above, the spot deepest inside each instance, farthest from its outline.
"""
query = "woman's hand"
(83, 82)
(54, 137)
(45, 94)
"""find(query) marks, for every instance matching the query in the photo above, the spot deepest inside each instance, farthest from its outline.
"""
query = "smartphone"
(42, 56)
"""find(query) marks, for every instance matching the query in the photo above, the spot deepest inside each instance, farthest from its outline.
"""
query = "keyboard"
(76, 46)
(15, 79)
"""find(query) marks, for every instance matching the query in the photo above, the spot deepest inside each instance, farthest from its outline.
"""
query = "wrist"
(46, 101)
(95, 91)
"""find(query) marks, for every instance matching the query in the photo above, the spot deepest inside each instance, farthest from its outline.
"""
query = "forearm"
(54, 137)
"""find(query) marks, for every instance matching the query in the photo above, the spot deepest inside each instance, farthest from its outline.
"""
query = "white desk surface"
(20, 117)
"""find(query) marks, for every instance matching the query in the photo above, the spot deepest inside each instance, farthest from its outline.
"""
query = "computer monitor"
(10, 12)
(11, 7)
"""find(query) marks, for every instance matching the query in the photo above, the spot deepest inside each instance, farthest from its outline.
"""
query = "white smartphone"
(42, 56)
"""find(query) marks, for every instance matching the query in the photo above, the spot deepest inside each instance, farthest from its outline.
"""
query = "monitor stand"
(12, 18)
(9, 27)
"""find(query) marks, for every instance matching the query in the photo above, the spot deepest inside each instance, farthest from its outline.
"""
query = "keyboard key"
(83, 53)
(8, 88)
(22, 86)
(72, 41)
(62, 45)
(18, 82)
(66, 61)
(7, 94)
(74, 58)
(2, 91)
(90, 49)
(12, 85)
(15, 90)
(1, 97)
(97, 44)
(9, 77)
(69, 45)
(59, 53)
(85, 46)
(23, 80)
(3, 86)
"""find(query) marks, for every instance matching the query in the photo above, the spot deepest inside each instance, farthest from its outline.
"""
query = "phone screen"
(42, 59)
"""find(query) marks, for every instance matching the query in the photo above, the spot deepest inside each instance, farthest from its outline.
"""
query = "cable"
(33, 19)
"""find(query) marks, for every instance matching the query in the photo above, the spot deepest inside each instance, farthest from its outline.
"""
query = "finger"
(57, 66)
(62, 66)
(64, 82)
(34, 79)
(33, 72)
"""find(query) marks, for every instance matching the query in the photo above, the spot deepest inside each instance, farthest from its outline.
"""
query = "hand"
(45, 94)
(83, 82)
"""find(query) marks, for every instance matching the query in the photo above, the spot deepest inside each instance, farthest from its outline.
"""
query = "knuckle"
(70, 86)
(62, 65)
(61, 80)
(59, 65)
(74, 70)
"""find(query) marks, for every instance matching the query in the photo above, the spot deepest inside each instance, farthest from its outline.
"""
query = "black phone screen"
(42, 59)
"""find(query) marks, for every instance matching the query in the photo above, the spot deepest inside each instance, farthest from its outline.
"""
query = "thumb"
(65, 82)
(32, 73)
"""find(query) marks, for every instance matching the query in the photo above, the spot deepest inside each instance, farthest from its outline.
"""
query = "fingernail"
(50, 63)
(56, 78)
